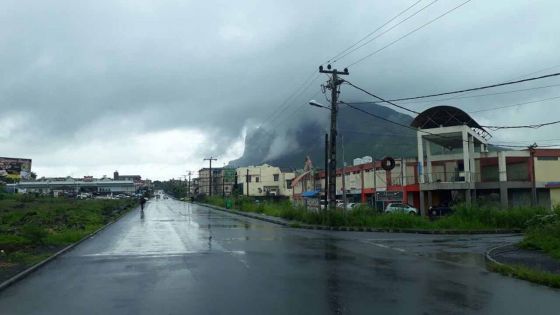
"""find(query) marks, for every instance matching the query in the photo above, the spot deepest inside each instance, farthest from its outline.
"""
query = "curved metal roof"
(444, 116)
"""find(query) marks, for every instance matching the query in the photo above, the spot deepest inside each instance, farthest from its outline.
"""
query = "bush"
(543, 233)
(474, 217)
(25, 197)
(35, 234)
(488, 216)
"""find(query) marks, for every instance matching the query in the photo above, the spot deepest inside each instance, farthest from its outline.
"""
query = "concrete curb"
(296, 224)
(249, 215)
(488, 254)
(42, 263)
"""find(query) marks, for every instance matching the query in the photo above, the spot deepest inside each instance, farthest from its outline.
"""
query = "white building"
(265, 180)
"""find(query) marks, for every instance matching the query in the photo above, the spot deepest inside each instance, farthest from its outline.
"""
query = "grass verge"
(33, 228)
(464, 218)
(525, 273)
(544, 235)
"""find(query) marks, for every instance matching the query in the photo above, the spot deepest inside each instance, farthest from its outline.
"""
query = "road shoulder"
(526, 264)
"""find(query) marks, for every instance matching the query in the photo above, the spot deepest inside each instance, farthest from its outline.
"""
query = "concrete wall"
(547, 171)
(555, 196)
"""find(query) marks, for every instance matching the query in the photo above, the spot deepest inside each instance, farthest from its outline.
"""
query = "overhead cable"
(479, 88)
(373, 32)
(379, 98)
(534, 126)
(407, 34)
(386, 31)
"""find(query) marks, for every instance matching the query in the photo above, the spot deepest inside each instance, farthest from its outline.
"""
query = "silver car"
(400, 207)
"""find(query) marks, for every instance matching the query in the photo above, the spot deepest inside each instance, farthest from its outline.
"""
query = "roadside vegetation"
(467, 218)
(32, 228)
(529, 274)
(543, 234)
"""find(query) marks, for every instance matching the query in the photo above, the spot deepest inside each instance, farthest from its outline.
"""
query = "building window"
(248, 178)
(276, 177)
(256, 179)
(289, 183)
(547, 158)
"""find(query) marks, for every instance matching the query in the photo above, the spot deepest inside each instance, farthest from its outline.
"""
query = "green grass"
(25, 258)
(525, 273)
(32, 227)
(464, 218)
(544, 234)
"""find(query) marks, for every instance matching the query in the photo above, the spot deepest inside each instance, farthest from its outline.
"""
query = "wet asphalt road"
(182, 258)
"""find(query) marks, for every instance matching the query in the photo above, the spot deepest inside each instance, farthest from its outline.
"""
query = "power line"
(377, 134)
(537, 140)
(433, 134)
(397, 123)
(379, 98)
(535, 126)
(513, 105)
(373, 32)
(478, 88)
(482, 95)
(407, 34)
(382, 118)
(302, 88)
(386, 31)
(526, 146)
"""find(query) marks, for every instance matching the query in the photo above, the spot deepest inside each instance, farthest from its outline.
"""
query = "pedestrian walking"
(142, 202)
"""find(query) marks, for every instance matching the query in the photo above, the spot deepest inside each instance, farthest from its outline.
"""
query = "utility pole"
(326, 171)
(189, 184)
(333, 85)
(210, 159)
(344, 199)
(532, 149)
(374, 184)
(247, 181)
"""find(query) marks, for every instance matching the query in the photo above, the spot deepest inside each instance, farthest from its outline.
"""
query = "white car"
(400, 207)
(349, 205)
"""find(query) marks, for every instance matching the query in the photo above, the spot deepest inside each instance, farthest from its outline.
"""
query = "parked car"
(84, 195)
(440, 210)
(349, 205)
(400, 207)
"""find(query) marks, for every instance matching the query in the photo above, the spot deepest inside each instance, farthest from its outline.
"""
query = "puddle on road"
(472, 259)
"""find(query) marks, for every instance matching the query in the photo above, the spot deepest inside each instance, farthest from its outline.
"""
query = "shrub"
(35, 234)
(545, 237)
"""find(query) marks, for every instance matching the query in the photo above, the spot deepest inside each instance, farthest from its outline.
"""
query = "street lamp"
(317, 104)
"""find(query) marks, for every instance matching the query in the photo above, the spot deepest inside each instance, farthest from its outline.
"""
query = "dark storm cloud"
(135, 67)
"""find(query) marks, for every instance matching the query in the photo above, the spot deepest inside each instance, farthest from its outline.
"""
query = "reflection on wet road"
(180, 258)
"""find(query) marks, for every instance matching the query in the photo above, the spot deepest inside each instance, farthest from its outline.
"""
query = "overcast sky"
(153, 87)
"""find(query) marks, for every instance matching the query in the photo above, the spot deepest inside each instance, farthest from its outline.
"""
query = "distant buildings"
(69, 185)
(221, 181)
(119, 184)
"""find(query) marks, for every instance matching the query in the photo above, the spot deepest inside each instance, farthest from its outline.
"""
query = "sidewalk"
(534, 259)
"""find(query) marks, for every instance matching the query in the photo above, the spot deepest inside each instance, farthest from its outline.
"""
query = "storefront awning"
(311, 193)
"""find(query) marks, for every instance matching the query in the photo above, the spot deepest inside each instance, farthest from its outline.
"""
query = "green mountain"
(362, 135)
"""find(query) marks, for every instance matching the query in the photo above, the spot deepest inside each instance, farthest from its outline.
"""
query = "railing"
(451, 177)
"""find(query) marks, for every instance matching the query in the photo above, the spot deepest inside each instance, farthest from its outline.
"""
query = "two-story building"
(265, 180)
(221, 181)
(455, 164)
